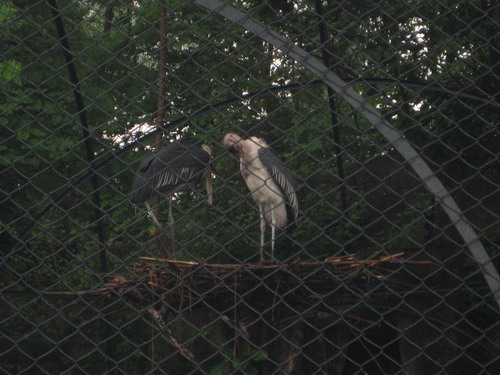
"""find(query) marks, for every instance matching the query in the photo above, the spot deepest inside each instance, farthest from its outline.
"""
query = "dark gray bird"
(270, 184)
(182, 163)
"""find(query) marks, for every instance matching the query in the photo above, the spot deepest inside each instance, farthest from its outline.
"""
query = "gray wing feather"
(169, 170)
(283, 178)
(174, 179)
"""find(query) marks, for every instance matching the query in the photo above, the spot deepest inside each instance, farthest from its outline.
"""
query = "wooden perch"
(182, 284)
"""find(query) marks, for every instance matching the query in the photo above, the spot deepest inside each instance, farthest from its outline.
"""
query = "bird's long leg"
(273, 230)
(152, 215)
(171, 222)
(262, 231)
(170, 214)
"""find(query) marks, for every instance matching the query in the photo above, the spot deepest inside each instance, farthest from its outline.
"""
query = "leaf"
(260, 355)
(219, 369)
(6, 12)
(248, 350)
(24, 134)
(10, 70)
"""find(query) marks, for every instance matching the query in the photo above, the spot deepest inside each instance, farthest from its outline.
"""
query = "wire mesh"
(374, 279)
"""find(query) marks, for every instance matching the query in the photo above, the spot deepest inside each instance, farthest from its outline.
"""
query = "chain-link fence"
(375, 206)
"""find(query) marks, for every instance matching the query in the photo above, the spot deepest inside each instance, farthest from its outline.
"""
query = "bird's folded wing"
(282, 177)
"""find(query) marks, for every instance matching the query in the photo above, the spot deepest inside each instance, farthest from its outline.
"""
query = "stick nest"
(182, 284)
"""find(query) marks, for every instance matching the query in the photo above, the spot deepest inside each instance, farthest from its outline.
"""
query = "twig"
(158, 319)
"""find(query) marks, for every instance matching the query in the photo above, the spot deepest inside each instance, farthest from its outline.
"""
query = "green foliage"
(245, 364)
(7, 11)
(9, 70)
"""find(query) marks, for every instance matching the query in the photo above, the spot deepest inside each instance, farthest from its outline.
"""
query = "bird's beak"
(208, 185)
(233, 149)
(232, 143)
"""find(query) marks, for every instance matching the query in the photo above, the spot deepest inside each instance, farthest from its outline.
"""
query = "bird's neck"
(249, 148)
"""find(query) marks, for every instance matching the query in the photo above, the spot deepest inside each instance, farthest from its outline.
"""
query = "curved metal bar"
(395, 137)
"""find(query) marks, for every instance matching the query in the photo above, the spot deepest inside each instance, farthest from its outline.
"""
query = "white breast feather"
(262, 187)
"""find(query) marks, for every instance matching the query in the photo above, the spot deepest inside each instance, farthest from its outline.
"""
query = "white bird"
(270, 184)
(179, 164)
